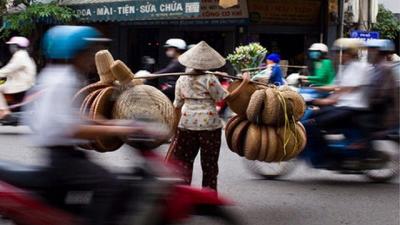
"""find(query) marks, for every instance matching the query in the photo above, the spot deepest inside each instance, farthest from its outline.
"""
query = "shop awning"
(134, 10)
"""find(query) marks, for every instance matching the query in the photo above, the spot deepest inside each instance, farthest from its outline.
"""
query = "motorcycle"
(151, 196)
(347, 159)
(16, 102)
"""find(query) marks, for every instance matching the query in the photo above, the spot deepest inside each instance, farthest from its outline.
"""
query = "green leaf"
(26, 22)
(387, 24)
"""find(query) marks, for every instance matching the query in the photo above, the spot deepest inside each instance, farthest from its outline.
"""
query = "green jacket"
(324, 73)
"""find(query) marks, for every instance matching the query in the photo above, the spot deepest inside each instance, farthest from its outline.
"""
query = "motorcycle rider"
(58, 126)
(320, 68)
(349, 98)
(174, 47)
(273, 73)
(383, 92)
(20, 72)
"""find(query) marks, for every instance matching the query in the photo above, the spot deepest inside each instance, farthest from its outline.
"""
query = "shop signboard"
(365, 35)
(210, 9)
(211, 13)
(137, 10)
(285, 12)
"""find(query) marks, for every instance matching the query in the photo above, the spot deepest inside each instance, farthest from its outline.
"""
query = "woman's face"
(270, 62)
(171, 53)
(314, 55)
(13, 48)
(85, 61)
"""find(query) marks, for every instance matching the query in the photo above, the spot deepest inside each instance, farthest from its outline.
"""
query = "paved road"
(307, 197)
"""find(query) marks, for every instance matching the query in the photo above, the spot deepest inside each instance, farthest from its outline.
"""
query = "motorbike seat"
(23, 176)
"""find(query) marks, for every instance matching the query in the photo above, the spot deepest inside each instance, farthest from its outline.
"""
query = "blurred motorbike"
(151, 195)
(347, 160)
(16, 103)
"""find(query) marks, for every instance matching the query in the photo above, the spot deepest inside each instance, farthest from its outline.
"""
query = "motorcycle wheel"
(218, 215)
(391, 168)
(270, 171)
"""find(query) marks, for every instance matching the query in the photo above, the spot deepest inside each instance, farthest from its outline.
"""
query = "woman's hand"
(246, 77)
(303, 78)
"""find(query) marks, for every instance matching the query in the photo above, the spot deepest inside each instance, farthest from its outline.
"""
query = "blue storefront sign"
(137, 10)
(366, 35)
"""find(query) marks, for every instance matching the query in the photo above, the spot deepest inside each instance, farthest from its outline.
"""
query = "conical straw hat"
(202, 57)
(122, 72)
(104, 60)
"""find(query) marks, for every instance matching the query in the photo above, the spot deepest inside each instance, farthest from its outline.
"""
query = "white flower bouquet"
(247, 56)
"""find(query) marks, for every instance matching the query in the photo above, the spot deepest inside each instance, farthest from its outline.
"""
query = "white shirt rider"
(354, 74)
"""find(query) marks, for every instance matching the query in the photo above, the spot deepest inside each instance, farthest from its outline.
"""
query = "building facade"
(140, 28)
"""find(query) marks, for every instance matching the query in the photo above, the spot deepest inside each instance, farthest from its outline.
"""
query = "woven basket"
(78, 98)
(102, 109)
(239, 136)
(302, 137)
(282, 106)
(255, 106)
(146, 103)
(252, 144)
(292, 143)
(87, 102)
(272, 145)
(295, 139)
(85, 110)
(264, 144)
(229, 128)
(272, 108)
(103, 60)
(298, 106)
(239, 103)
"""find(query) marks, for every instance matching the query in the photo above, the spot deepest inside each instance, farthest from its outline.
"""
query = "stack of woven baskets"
(266, 127)
(118, 96)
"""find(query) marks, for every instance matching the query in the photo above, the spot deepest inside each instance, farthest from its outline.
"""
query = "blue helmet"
(274, 57)
(64, 42)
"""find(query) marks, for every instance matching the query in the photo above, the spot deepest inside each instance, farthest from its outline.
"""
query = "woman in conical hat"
(199, 125)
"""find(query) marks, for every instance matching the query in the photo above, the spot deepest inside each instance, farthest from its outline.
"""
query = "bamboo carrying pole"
(264, 67)
(153, 76)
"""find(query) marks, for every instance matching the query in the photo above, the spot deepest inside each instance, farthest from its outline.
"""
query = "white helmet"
(22, 42)
(383, 45)
(348, 44)
(191, 46)
(175, 43)
(319, 47)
